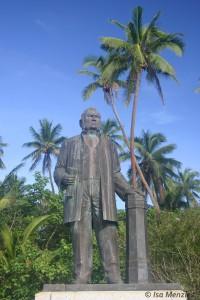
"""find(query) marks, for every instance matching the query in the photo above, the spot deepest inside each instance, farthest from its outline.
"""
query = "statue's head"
(90, 120)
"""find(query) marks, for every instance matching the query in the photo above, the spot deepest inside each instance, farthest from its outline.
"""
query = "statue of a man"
(88, 170)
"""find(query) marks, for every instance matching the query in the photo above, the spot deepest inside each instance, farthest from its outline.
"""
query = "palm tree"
(139, 53)
(111, 129)
(110, 88)
(2, 166)
(13, 185)
(46, 144)
(93, 67)
(156, 167)
(189, 182)
(173, 195)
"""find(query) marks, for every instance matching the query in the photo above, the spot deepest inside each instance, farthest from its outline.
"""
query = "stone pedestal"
(111, 292)
(137, 265)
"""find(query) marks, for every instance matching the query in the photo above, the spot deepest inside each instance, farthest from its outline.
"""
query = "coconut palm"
(155, 165)
(189, 182)
(139, 53)
(93, 67)
(111, 129)
(13, 185)
(2, 166)
(173, 195)
(46, 144)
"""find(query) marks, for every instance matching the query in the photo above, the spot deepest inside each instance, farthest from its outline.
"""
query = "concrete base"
(111, 292)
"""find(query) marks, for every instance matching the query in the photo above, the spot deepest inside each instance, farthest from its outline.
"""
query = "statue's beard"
(94, 130)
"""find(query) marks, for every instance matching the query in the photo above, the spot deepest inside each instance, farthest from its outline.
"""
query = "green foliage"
(46, 257)
(174, 243)
(183, 191)
(33, 252)
(112, 129)
(108, 86)
(26, 274)
(140, 52)
(45, 144)
(152, 156)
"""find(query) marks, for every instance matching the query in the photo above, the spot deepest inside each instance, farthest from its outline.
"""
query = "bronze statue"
(88, 170)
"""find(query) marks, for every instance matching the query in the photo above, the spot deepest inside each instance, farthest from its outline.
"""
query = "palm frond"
(32, 155)
(55, 132)
(137, 21)
(120, 25)
(7, 200)
(124, 155)
(171, 162)
(110, 43)
(90, 89)
(15, 170)
(115, 67)
(90, 61)
(33, 144)
(153, 77)
(2, 165)
(161, 65)
(155, 139)
(132, 34)
(45, 129)
(94, 75)
(35, 134)
(165, 150)
(59, 140)
(150, 28)
(173, 42)
(36, 222)
(7, 239)
(36, 159)
(2, 144)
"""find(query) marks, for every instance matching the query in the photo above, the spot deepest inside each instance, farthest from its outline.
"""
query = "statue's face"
(91, 120)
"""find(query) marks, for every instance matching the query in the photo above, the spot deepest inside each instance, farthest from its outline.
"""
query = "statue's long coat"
(70, 162)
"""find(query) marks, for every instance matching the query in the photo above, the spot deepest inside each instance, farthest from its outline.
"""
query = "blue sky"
(42, 46)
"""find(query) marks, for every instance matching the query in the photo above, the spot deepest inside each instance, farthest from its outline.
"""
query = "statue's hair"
(85, 112)
(89, 110)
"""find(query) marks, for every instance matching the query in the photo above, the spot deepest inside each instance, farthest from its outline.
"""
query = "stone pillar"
(137, 270)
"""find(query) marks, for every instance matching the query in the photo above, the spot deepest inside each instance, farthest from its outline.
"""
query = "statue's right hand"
(68, 180)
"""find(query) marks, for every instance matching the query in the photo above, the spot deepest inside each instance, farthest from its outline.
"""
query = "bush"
(174, 243)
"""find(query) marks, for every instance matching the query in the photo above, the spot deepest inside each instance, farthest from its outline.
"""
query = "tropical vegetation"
(139, 53)
(111, 129)
(45, 144)
(154, 163)
(35, 247)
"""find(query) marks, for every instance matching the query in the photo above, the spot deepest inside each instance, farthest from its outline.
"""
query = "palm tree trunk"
(146, 186)
(161, 191)
(132, 133)
(51, 180)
